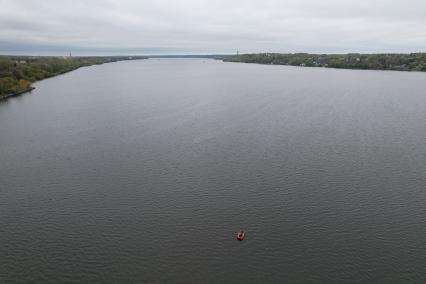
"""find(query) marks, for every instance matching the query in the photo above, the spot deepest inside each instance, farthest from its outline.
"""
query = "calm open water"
(143, 172)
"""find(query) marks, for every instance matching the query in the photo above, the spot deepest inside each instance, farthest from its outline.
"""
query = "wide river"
(144, 171)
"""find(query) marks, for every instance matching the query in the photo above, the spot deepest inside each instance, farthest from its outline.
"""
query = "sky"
(211, 26)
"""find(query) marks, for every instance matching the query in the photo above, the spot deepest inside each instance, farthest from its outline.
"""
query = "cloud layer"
(212, 26)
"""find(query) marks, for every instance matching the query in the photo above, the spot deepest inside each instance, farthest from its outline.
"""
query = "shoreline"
(27, 90)
(104, 60)
(322, 67)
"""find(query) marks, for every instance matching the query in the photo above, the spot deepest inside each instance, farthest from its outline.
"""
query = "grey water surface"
(144, 171)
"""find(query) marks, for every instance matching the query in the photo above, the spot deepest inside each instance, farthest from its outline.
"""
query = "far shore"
(393, 62)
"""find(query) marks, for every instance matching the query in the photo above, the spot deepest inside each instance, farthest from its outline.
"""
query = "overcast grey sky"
(212, 26)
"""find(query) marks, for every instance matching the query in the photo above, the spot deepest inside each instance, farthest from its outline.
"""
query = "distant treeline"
(400, 62)
(18, 72)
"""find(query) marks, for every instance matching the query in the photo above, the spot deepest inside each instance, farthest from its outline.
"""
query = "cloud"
(215, 25)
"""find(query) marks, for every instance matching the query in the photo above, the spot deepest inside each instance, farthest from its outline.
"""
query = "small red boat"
(241, 235)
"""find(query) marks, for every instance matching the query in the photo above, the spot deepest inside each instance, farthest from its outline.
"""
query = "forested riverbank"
(18, 72)
(399, 62)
